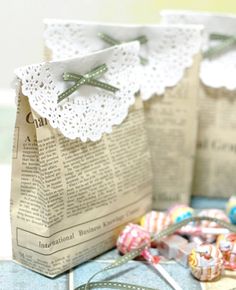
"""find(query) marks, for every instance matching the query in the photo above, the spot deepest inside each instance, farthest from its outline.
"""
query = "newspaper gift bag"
(77, 178)
(216, 149)
(169, 61)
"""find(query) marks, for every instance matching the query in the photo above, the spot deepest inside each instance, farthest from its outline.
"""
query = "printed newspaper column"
(214, 173)
(216, 148)
(171, 122)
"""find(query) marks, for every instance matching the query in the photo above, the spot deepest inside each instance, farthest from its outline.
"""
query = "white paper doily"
(90, 111)
(169, 49)
(218, 72)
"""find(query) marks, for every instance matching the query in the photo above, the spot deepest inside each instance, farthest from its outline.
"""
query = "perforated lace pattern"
(89, 112)
(218, 72)
(169, 50)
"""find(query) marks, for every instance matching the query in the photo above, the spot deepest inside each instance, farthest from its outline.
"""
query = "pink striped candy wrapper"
(132, 237)
(215, 213)
(154, 222)
(227, 246)
(206, 262)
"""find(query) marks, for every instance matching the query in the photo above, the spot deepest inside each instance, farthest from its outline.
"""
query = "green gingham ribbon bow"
(226, 43)
(135, 253)
(86, 79)
(112, 41)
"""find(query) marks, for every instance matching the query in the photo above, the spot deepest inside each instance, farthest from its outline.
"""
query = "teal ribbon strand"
(112, 41)
(87, 79)
(226, 42)
(137, 252)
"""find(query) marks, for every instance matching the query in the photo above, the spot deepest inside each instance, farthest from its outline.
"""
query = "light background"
(21, 43)
(21, 22)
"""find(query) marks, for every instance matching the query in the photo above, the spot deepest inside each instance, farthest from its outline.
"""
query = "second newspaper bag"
(169, 62)
(214, 174)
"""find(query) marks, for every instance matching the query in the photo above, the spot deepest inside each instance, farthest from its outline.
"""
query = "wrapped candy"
(206, 262)
(155, 222)
(216, 213)
(197, 240)
(197, 231)
(183, 252)
(133, 237)
(179, 212)
(231, 209)
(175, 247)
(227, 246)
(168, 246)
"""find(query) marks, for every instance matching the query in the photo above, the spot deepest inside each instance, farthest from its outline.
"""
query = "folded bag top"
(86, 95)
(165, 50)
(218, 68)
